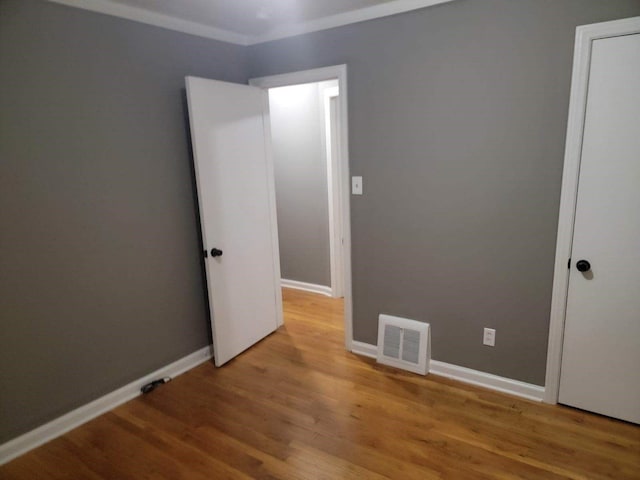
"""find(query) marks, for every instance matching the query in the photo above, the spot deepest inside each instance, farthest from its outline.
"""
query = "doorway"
(308, 217)
(328, 87)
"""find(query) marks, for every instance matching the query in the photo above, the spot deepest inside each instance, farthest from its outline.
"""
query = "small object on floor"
(149, 387)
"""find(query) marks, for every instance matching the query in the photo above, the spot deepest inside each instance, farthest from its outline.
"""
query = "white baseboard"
(467, 375)
(307, 287)
(77, 417)
(364, 349)
(487, 380)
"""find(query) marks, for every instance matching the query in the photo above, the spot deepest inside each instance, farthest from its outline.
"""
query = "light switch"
(356, 185)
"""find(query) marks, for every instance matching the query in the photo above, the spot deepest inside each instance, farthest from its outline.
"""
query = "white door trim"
(338, 72)
(335, 202)
(585, 35)
(268, 148)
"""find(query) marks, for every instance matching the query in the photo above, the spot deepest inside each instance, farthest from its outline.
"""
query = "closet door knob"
(583, 266)
(216, 253)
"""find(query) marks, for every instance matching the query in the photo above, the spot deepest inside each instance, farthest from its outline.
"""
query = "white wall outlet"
(489, 337)
(356, 185)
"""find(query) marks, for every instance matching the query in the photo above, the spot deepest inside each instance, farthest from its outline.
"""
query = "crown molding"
(354, 16)
(141, 15)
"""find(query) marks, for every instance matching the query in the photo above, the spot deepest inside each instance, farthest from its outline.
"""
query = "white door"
(601, 353)
(234, 175)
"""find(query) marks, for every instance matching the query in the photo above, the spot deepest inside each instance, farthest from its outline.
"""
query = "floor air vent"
(403, 343)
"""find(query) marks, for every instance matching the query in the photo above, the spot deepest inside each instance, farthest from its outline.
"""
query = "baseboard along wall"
(75, 418)
(467, 375)
(307, 287)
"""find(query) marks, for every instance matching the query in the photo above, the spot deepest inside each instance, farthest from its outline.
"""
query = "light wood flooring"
(298, 406)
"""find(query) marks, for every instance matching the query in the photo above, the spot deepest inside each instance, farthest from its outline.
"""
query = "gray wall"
(100, 273)
(457, 117)
(297, 130)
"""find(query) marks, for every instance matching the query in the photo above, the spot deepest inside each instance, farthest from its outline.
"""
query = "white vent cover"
(403, 343)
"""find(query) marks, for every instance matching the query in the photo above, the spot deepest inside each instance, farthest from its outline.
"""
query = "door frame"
(335, 72)
(334, 194)
(585, 35)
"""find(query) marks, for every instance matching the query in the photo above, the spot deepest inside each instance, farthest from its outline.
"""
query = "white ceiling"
(250, 17)
(247, 22)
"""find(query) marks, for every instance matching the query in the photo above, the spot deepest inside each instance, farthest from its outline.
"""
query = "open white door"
(234, 175)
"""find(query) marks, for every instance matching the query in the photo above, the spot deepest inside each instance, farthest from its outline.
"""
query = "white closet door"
(230, 136)
(601, 352)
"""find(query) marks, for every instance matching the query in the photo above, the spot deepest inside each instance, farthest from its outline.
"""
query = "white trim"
(487, 380)
(305, 76)
(275, 243)
(77, 417)
(319, 75)
(355, 16)
(364, 349)
(161, 20)
(468, 375)
(142, 15)
(307, 287)
(585, 35)
(333, 190)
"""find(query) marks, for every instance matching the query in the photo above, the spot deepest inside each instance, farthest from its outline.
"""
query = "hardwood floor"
(297, 406)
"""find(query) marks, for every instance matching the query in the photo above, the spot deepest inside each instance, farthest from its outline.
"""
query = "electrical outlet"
(489, 337)
(356, 185)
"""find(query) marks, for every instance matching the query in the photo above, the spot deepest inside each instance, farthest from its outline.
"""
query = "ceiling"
(247, 22)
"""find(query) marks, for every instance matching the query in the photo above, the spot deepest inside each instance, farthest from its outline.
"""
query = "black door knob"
(583, 266)
(216, 253)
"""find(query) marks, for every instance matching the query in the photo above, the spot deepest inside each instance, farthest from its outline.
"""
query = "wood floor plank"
(298, 406)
